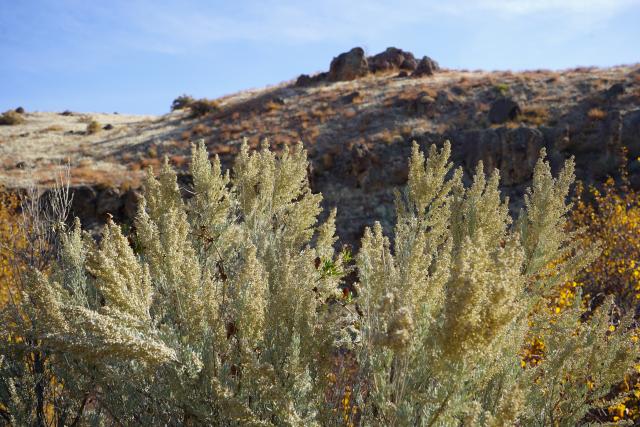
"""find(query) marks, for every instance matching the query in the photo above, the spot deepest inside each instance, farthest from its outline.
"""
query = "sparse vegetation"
(182, 102)
(596, 114)
(9, 239)
(11, 117)
(93, 127)
(502, 88)
(52, 128)
(200, 129)
(204, 106)
(535, 115)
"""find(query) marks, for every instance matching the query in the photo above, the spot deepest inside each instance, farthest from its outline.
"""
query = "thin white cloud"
(188, 25)
(525, 7)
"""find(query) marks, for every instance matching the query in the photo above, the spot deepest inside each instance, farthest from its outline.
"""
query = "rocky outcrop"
(306, 80)
(354, 64)
(348, 66)
(93, 205)
(503, 110)
(392, 59)
(426, 67)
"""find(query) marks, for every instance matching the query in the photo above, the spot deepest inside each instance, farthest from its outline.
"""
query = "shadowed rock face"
(504, 110)
(512, 151)
(348, 66)
(392, 59)
(426, 67)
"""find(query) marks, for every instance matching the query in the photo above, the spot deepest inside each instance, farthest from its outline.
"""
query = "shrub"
(225, 310)
(614, 220)
(202, 107)
(538, 115)
(52, 128)
(182, 102)
(596, 114)
(93, 127)
(461, 293)
(502, 88)
(11, 117)
(611, 216)
(8, 238)
(19, 110)
(31, 386)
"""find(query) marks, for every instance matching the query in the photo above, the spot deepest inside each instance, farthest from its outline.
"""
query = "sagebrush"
(225, 309)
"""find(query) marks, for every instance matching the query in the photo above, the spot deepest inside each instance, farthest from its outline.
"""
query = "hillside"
(358, 133)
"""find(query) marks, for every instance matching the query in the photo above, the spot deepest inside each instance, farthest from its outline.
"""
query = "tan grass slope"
(358, 133)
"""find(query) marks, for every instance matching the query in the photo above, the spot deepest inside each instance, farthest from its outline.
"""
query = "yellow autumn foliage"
(8, 233)
(611, 216)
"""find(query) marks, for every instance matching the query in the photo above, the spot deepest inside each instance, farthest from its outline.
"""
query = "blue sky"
(136, 56)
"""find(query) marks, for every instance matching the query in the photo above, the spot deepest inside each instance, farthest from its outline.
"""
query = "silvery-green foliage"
(450, 306)
(218, 310)
(214, 316)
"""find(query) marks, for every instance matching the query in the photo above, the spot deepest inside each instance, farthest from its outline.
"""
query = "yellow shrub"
(8, 205)
(614, 220)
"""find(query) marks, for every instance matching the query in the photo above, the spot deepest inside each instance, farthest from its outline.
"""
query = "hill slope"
(358, 134)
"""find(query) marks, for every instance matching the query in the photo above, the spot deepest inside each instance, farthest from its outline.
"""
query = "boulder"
(83, 204)
(304, 80)
(307, 80)
(426, 67)
(392, 59)
(503, 110)
(348, 66)
(109, 202)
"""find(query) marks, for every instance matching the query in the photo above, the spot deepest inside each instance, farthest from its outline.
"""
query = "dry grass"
(152, 151)
(200, 129)
(178, 160)
(85, 118)
(11, 118)
(596, 114)
(375, 110)
(388, 137)
(271, 106)
(155, 164)
(204, 106)
(535, 115)
(185, 135)
(88, 174)
(349, 113)
(93, 127)
(52, 128)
